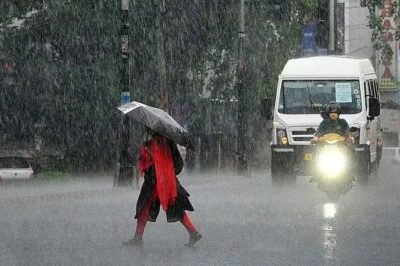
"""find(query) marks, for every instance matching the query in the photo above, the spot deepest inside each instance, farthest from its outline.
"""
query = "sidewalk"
(93, 183)
(38, 187)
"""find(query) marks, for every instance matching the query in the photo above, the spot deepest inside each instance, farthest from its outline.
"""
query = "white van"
(305, 86)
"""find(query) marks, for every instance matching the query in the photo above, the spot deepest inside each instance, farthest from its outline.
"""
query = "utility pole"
(124, 171)
(331, 47)
(164, 101)
(241, 141)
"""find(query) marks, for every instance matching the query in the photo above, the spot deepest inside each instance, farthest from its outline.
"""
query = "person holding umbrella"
(160, 162)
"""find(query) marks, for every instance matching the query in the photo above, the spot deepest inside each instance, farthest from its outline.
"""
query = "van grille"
(297, 132)
(302, 138)
(302, 135)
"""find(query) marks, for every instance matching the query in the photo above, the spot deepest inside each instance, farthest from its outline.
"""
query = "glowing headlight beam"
(331, 162)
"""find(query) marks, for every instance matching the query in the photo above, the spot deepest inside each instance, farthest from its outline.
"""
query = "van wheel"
(374, 169)
(276, 173)
(281, 172)
(363, 172)
(290, 179)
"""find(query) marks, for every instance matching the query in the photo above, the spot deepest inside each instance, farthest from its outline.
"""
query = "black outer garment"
(182, 203)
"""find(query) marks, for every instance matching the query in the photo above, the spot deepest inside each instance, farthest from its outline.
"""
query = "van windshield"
(310, 96)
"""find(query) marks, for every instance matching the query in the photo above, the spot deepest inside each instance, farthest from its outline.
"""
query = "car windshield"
(310, 96)
(13, 162)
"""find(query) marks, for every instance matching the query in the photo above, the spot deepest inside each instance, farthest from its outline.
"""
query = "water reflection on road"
(244, 221)
(329, 211)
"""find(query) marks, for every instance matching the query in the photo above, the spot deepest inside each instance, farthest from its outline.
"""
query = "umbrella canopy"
(158, 120)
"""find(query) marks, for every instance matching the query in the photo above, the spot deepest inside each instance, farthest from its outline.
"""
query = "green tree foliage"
(376, 24)
(67, 60)
(11, 9)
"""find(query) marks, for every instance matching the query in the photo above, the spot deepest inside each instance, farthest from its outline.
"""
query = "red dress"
(160, 161)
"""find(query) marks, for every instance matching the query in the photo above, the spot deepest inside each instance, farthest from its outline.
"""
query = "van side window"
(374, 89)
(377, 89)
(371, 91)
(371, 88)
(366, 88)
(368, 91)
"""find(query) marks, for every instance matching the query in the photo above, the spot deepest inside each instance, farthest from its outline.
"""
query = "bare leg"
(141, 223)
(187, 223)
(194, 235)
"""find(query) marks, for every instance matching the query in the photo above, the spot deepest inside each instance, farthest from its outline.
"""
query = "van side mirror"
(266, 108)
(374, 107)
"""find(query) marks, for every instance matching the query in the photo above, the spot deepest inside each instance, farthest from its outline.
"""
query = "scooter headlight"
(331, 163)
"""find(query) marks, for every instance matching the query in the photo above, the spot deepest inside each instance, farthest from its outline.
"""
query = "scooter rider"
(332, 123)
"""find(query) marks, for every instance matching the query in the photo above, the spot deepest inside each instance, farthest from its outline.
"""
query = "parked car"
(15, 167)
(391, 154)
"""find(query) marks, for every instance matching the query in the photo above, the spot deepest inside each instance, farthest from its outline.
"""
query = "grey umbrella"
(158, 120)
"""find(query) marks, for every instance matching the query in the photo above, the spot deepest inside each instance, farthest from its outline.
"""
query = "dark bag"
(177, 158)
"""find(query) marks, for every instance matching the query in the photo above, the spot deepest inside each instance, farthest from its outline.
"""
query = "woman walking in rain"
(160, 162)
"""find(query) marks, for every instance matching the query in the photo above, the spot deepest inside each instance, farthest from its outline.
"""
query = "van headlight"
(355, 133)
(281, 136)
(331, 163)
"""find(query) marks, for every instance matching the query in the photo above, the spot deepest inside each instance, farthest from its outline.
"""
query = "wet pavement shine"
(244, 221)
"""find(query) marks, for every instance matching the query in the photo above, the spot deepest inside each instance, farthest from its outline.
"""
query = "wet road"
(244, 221)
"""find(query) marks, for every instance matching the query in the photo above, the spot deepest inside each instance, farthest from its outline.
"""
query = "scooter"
(332, 168)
